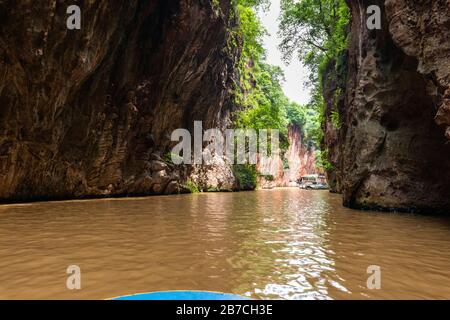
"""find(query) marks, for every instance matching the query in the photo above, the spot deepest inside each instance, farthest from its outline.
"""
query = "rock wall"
(88, 113)
(299, 161)
(422, 30)
(391, 151)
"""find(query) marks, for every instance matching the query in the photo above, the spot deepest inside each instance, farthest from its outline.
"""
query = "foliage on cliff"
(264, 104)
(259, 92)
(305, 118)
(246, 176)
(316, 32)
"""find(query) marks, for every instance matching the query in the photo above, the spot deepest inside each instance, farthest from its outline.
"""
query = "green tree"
(259, 93)
(315, 30)
(296, 114)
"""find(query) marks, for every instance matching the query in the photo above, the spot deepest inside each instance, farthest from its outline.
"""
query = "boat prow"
(182, 295)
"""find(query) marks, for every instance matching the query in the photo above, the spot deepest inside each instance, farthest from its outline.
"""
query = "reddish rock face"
(88, 112)
(299, 161)
(391, 152)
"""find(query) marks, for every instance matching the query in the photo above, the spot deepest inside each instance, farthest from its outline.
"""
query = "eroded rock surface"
(391, 150)
(88, 113)
(422, 30)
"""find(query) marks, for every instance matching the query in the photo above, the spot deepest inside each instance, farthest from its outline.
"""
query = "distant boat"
(317, 187)
(313, 182)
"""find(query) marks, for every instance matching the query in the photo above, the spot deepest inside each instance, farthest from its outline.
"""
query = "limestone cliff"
(88, 113)
(391, 149)
(299, 160)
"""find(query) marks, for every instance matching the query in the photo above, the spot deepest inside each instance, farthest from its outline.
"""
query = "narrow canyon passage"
(343, 167)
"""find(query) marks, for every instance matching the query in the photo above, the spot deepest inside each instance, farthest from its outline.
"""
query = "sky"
(295, 73)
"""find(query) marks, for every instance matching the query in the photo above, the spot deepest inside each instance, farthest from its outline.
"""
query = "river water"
(275, 244)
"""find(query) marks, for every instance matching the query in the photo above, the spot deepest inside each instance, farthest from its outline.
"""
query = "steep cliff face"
(89, 112)
(299, 160)
(334, 84)
(392, 148)
(422, 30)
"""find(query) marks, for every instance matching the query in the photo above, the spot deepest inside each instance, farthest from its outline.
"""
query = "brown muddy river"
(275, 244)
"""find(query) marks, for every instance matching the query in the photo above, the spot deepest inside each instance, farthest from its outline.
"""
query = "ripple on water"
(278, 244)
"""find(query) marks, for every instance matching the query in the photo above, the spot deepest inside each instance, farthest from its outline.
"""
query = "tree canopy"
(260, 93)
(314, 30)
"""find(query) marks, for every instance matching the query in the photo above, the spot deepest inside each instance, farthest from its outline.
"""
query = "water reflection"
(280, 244)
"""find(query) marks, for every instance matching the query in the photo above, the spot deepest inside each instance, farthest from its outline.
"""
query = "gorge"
(80, 117)
(89, 176)
(87, 113)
